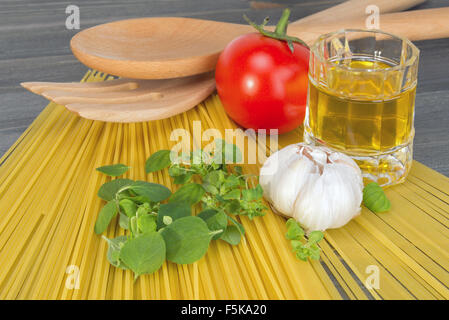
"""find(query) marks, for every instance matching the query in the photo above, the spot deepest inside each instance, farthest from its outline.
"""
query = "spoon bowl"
(155, 48)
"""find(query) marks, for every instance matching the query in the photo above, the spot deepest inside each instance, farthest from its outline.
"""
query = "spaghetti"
(48, 207)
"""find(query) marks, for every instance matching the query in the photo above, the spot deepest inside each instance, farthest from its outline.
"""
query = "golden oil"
(364, 113)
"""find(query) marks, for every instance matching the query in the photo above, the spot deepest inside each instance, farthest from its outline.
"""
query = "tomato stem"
(281, 27)
(280, 31)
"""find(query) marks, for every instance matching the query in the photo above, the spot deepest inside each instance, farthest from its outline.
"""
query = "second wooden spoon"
(160, 48)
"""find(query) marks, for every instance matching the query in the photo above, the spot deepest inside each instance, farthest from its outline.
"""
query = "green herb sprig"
(302, 247)
(205, 178)
(375, 199)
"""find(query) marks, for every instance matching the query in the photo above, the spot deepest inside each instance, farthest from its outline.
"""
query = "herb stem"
(212, 233)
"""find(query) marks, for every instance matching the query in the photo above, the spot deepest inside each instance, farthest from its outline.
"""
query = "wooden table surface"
(34, 46)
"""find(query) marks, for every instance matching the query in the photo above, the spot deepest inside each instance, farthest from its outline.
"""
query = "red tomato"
(262, 84)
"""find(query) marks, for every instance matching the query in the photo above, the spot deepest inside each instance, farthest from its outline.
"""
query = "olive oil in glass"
(362, 103)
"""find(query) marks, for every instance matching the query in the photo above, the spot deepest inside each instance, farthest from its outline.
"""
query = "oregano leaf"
(105, 216)
(215, 220)
(146, 223)
(174, 210)
(190, 193)
(231, 235)
(187, 239)
(238, 225)
(114, 247)
(144, 254)
(375, 199)
(124, 221)
(114, 170)
(108, 190)
(158, 161)
(315, 237)
(152, 191)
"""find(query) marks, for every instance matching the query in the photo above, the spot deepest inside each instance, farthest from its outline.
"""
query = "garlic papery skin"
(320, 188)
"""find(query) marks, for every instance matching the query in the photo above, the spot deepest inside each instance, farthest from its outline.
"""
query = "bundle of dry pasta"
(48, 208)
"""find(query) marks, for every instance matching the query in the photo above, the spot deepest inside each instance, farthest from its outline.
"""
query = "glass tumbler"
(361, 100)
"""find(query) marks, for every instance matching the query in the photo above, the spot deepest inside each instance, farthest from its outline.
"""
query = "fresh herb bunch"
(159, 231)
(303, 248)
(205, 178)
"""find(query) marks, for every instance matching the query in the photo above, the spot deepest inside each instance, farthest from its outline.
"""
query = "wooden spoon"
(160, 48)
(127, 100)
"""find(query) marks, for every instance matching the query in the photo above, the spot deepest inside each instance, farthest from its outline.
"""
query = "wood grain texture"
(128, 100)
(34, 44)
(171, 47)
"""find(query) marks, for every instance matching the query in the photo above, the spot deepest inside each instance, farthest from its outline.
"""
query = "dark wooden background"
(34, 46)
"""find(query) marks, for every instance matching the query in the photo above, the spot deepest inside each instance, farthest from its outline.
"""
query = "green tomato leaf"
(114, 247)
(108, 190)
(375, 199)
(232, 235)
(152, 191)
(114, 170)
(215, 220)
(105, 216)
(144, 254)
(187, 240)
(146, 223)
(174, 210)
(190, 193)
(158, 161)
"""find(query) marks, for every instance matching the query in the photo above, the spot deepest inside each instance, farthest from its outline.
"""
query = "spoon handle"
(414, 25)
(353, 9)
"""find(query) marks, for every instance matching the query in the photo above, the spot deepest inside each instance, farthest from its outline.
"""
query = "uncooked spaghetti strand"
(56, 282)
(42, 236)
(58, 205)
(10, 254)
(28, 186)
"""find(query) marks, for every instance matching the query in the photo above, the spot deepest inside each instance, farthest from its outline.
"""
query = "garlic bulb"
(318, 187)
